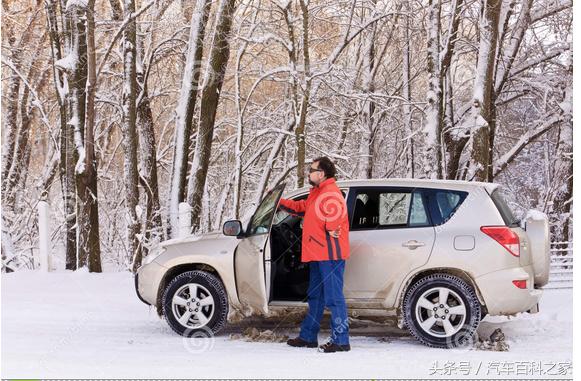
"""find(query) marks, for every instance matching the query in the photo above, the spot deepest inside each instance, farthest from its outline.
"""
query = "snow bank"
(535, 215)
(85, 325)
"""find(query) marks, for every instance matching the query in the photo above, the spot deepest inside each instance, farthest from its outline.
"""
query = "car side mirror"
(232, 228)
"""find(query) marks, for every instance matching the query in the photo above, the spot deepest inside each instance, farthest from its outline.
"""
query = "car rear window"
(444, 203)
(503, 208)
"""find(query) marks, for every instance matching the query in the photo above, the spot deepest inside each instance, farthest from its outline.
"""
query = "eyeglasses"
(311, 170)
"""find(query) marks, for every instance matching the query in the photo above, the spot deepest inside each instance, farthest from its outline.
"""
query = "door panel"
(250, 268)
(390, 236)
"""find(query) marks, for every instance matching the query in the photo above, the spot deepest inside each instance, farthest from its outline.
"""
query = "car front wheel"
(442, 310)
(195, 302)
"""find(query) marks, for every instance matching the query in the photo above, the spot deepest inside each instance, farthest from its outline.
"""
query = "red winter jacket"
(324, 210)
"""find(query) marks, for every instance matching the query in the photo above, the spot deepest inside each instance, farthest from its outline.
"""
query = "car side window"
(393, 208)
(282, 214)
(418, 213)
(262, 218)
(377, 209)
(444, 203)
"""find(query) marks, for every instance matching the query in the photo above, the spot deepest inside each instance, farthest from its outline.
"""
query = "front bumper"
(147, 280)
(136, 278)
(502, 297)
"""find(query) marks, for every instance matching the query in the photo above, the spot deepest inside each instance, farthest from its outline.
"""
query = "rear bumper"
(502, 297)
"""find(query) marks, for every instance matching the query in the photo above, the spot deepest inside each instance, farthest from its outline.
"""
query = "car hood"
(213, 242)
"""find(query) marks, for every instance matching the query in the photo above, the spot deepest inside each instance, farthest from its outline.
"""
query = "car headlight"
(155, 252)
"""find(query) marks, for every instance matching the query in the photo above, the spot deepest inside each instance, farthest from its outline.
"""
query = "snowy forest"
(115, 112)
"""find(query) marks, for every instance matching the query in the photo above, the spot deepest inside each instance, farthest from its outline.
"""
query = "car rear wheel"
(442, 310)
(195, 302)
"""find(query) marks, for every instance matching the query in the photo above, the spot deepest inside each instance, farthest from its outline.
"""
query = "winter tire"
(442, 310)
(194, 303)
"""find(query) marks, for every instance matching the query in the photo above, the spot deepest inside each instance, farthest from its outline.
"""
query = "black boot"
(298, 342)
(332, 347)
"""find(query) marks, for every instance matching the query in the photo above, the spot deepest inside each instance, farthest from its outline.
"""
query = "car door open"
(252, 269)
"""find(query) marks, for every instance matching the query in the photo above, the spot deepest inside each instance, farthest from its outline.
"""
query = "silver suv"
(438, 255)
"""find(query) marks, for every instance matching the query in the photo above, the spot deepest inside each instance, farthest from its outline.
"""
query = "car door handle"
(413, 244)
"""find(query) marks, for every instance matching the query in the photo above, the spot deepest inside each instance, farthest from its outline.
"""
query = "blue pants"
(326, 290)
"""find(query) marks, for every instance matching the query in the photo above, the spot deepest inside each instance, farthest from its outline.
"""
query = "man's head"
(321, 168)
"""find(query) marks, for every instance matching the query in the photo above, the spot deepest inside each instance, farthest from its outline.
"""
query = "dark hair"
(327, 166)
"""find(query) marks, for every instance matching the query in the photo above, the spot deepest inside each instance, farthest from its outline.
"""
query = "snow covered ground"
(82, 325)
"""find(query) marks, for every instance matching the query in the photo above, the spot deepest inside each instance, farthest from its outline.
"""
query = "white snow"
(470, 125)
(78, 3)
(86, 325)
(483, 53)
(80, 166)
(536, 215)
(68, 62)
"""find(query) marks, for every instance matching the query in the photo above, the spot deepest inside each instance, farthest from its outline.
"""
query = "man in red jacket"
(325, 246)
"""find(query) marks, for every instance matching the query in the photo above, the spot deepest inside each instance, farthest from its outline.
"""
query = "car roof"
(407, 182)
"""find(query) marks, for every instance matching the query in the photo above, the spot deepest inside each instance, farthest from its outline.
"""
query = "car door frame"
(254, 247)
(294, 195)
(354, 191)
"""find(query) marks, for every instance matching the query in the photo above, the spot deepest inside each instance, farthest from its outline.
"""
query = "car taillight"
(520, 283)
(505, 236)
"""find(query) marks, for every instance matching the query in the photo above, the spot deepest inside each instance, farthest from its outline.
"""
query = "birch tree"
(185, 110)
(483, 98)
(77, 142)
(438, 65)
(66, 163)
(210, 97)
(128, 128)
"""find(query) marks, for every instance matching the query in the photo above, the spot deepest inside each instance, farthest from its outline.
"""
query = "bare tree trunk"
(75, 66)
(406, 108)
(295, 108)
(66, 162)
(10, 116)
(240, 110)
(129, 133)
(455, 142)
(15, 147)
(217, 62)
(17, 131)
(563, 198)
(368, 137)
(305, 96)
(116, 10)
(152, 226)
(88, 204)
(431, 158)
(479, 167)
(505, 59)
(19, 165)
(185, 110)
(439, 62)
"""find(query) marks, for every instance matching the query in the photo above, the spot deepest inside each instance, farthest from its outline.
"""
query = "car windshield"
(261, 220)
